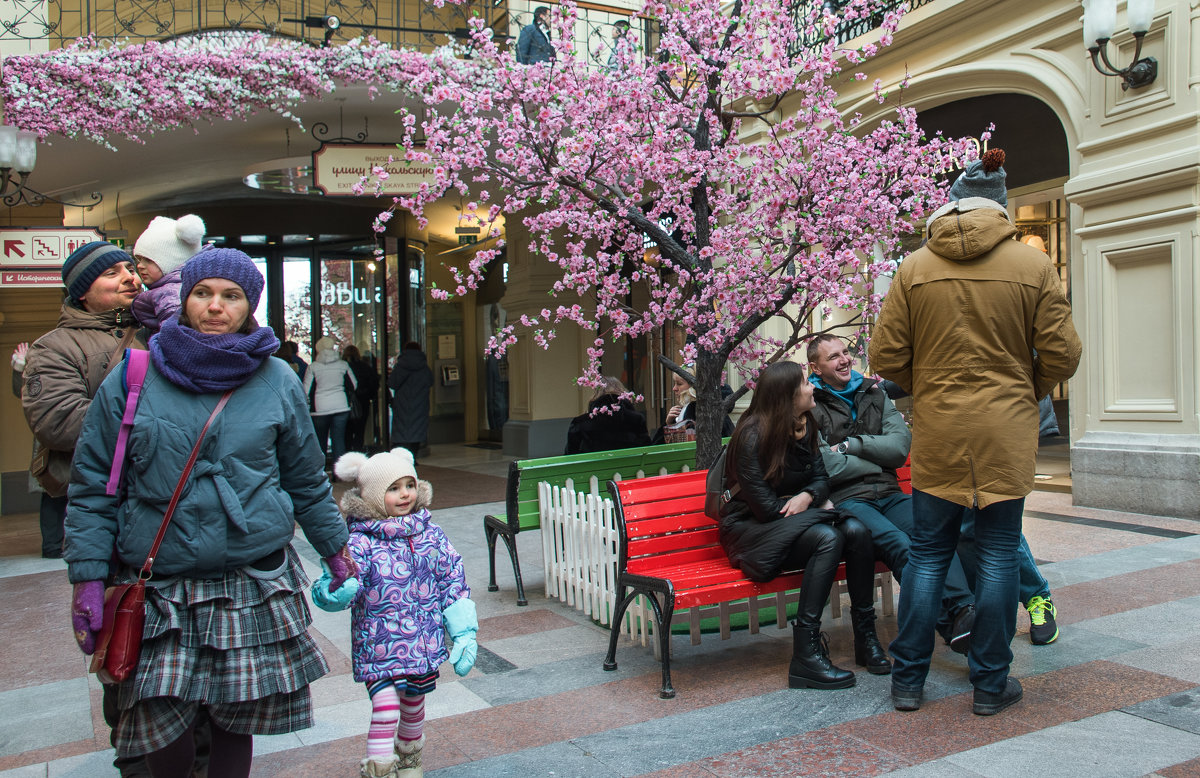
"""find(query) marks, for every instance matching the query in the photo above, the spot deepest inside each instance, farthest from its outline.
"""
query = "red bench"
(668, 551)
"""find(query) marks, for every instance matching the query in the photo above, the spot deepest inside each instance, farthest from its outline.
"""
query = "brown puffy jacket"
(958, 331)
(63, 370)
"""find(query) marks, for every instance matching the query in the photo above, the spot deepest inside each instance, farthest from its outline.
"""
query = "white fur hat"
(169, 243)
(375, 474)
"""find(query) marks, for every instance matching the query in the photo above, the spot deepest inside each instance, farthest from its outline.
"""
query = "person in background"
(777, 520)
(684, 410)
(414, 591)
(366, 387)
(958, 330)
(533, 44)
(610, 423)
(160, 252)
(298, 363)
(327, 382)
(225, 638)
(622, 47)
(409, 384)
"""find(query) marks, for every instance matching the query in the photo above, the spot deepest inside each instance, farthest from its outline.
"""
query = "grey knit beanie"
(983, 178)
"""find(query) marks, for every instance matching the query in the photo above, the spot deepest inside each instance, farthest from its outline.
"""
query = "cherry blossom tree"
(724, 144)
(726, 147)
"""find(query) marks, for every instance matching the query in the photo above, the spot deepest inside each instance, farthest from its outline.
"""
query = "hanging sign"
(33, 256)
(339, 167)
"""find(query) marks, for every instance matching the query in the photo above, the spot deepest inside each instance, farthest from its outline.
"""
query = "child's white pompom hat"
(375, 474)
(169, 243)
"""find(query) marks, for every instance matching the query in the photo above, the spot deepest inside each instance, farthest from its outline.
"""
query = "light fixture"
(1099, 23)
(18, 151)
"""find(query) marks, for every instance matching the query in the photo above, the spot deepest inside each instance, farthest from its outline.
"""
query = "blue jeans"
(936, 528)
(1032, 582)
(332, 425)
(890, 521)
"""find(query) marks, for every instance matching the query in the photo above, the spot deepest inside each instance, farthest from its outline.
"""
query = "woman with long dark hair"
(777, 521)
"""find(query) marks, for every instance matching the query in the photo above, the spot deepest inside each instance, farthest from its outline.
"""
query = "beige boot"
(409, 754)
(379, 768)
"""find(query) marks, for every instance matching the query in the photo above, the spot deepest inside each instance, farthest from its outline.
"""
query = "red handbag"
(119, 642)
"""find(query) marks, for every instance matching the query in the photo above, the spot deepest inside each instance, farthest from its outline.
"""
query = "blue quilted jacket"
(259, 473)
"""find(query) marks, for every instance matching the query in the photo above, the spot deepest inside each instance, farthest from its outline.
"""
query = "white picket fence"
(579, 549)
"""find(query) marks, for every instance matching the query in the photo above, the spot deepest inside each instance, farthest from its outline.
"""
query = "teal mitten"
(337, 600)
(462, 624)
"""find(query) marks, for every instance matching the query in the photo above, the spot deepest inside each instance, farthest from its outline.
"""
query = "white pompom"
(406, 455)
(348, 465)
(190, 229)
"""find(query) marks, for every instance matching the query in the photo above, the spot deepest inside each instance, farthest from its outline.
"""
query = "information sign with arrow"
(33, 256)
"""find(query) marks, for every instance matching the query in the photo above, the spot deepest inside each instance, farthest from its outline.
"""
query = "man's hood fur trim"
(963, 206)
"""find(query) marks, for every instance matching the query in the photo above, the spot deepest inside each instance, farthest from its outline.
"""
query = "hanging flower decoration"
(101, 91)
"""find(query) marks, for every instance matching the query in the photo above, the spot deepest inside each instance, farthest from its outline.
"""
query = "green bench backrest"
(525, 475)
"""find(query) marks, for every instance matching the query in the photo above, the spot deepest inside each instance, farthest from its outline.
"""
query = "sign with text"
(33, 256)
(339, 167)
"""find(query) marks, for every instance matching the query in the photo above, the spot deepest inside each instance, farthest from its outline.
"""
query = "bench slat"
(667, 524)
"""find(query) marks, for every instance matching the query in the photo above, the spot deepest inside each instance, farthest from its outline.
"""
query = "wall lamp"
(18, 151)
(1099, 22)
(330, 24)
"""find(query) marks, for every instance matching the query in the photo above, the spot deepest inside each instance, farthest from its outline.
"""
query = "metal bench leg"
(614, 629)
(490, 534)
(663, 625)
(510, 540)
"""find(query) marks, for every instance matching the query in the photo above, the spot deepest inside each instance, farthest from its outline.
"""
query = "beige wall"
(1134, 216)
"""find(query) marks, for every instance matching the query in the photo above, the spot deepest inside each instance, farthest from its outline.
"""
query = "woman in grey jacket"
(226, 620)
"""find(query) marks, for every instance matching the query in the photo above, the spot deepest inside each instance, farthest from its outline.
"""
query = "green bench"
(521, 507)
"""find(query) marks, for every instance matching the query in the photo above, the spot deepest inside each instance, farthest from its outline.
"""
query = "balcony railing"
(403, 23)
(845, 32)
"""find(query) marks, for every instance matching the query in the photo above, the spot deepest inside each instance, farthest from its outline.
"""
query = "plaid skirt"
(237, 645)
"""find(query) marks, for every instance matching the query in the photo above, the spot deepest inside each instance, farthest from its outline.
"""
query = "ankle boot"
(408, 753)
(868, 652)
(810, 667)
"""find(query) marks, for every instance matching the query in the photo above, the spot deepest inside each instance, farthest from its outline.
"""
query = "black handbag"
(356, 407)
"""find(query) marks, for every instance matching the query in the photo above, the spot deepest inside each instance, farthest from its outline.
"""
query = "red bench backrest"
(664, 521)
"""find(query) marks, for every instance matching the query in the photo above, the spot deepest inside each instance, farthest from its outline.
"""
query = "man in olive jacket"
(864, 439)
(958, 331)
(64, 367)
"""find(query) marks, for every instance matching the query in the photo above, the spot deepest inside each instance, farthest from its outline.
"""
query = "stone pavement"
(1117, 695)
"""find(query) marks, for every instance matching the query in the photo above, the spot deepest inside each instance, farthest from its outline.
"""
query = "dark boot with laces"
(810, 667)
(868, 652)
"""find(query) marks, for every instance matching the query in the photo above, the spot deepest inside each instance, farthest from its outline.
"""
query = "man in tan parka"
(959, 329)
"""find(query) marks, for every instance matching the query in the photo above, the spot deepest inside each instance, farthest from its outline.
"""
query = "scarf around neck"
(204, 363)
(845, 394)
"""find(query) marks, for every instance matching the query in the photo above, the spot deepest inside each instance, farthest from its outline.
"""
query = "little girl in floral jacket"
(412, 583)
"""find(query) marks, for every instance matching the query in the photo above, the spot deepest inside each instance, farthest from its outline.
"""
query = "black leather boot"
(868, 652)
(810, 667)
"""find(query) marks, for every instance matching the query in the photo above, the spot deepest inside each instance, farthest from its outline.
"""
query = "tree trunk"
(710, 409)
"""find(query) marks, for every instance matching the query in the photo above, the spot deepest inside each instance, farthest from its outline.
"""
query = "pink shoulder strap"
(136, 363)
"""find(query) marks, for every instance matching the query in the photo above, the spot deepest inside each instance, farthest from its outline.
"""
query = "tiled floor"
(1117, 695)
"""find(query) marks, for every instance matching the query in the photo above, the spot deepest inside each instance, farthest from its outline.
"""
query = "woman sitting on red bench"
(776, 521)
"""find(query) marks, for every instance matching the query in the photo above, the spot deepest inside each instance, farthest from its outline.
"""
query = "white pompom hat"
(169, 243)
(375, 474)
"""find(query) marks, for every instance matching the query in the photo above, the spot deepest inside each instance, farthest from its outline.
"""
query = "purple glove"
(87, 613)
(341, 567)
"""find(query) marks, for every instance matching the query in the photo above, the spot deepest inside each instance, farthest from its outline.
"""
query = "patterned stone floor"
(1117, 695)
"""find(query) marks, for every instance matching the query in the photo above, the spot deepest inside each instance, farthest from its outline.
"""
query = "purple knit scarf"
(209, 363)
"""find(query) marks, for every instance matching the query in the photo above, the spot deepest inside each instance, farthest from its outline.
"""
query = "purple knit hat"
(230, 264)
